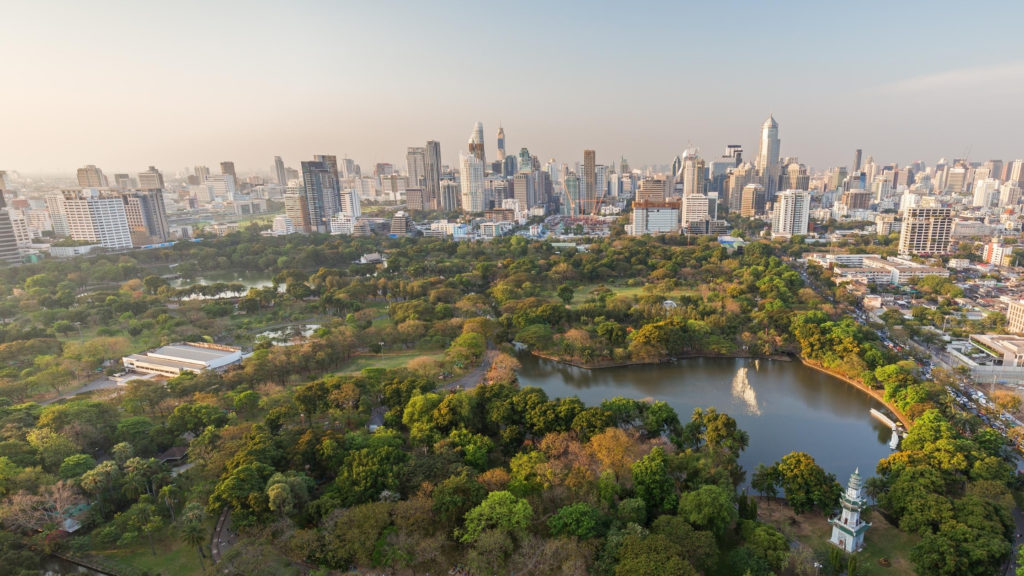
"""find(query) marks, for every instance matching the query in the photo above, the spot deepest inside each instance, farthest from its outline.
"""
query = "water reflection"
(742, 391)
(794, 408)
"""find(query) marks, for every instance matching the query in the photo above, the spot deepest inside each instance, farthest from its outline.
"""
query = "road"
(474, 376)
(102, 383)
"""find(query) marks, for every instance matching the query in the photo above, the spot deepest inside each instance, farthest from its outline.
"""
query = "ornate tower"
(847, 528)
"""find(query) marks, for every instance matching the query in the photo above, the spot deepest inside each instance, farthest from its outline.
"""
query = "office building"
(151, 179)
(752, 200)
(221, 187)
(986, 192)
(476, 144)
(414, 200)
(432, 177)
(202, 173)
(768, 157)
(692, 173)
(588, 188)
(416, 166)
(350, 203)
(471, 175)
(320, 187)
(401, 224)
(738, 179)
(147, 216)
(297, 210)
(650, 217)
(792, 213)
(926, 231)
(279, 171)
(856, 199)
(651, 190)
(97, 216)
(91, 177)
(523, 192)
(9, 253)
(501, 144)
(228, 167)
(451, 196)
(571, 195)
(693, 208)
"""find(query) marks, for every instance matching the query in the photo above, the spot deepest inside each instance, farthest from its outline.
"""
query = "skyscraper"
(692, 173)
(280, 172)
(524, 192)
(432, 181)
(791, 214)
(91, 177)
(472, 179)
(416, 166)
(319, 186)
(501, 144)
(296, 209)
(146, 215)
(476, 144)
(228, 167)
(151, 179)
(332, 196)
(856, 160)
(926, 231)
(8, 239)
(571, 203)
(768, 157)
(589, 181)
(202, 173)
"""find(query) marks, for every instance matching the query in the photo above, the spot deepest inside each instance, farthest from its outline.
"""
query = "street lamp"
(382, 350)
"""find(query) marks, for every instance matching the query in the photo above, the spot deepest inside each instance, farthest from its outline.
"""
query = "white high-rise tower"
(768, 158)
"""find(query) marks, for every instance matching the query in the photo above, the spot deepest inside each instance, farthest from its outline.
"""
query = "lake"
(784, 406)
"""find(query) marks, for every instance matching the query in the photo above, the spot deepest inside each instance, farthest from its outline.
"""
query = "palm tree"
(169, 494)
(192, 530)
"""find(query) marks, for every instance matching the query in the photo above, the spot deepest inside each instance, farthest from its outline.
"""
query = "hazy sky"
(173, 83)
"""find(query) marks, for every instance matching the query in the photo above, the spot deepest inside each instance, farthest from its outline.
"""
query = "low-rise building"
(174, 359)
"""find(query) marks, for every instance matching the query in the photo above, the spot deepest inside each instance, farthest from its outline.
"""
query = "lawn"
(389, 361)
(172, 557)
(584, 292)
(811, 529)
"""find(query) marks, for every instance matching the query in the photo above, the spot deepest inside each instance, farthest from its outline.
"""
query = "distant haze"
(124, 85)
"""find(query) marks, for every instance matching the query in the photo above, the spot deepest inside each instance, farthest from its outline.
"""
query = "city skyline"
(201, 83)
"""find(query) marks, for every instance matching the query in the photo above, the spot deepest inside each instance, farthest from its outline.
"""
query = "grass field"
(172, 557)
(584, 292)
(812, 529)
(387, 361)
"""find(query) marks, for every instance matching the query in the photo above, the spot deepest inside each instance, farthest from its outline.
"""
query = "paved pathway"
(102, 383)
(474, 376)
(223, 537)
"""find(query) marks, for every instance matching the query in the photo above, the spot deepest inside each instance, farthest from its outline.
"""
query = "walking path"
(223, 537)
(474, 376)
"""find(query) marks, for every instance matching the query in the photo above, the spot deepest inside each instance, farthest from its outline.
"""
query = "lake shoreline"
(655, 362)
(876, 394)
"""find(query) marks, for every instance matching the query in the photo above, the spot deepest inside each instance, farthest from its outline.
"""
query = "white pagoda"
(847, 528)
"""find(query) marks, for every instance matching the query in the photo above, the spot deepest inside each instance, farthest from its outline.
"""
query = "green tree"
(580, 520)
(566, 293)
(653, 484)
(806, 485)
(709, 507)
(501, 511)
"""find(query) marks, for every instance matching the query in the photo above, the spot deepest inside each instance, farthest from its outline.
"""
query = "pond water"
(784, 406)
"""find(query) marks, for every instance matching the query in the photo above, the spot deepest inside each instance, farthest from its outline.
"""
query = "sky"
(128, 84)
